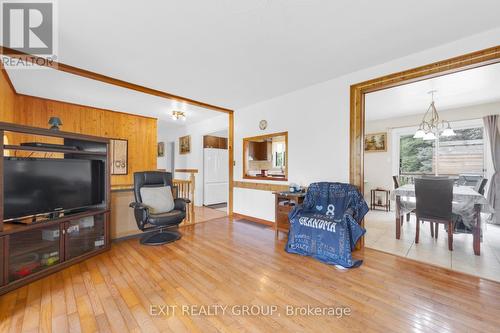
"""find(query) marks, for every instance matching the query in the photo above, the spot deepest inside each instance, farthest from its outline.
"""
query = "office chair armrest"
(141, 213)
(138, 205)
(180, 204)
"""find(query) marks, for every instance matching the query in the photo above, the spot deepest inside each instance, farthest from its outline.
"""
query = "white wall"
(379, 167)
(317, 121)
(193, 160)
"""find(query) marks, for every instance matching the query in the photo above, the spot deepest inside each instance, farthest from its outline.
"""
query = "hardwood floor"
(238, 264)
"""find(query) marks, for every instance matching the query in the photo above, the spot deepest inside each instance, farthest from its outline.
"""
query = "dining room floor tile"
(381, 235)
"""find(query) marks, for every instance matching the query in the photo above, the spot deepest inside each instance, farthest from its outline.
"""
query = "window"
(279, 154)
(459, 154)
(265, 157)
(415, 155)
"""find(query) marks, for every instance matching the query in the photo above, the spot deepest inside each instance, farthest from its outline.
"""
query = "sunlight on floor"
(381, 235)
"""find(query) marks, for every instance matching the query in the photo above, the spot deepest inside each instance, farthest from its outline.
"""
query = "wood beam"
(107, 79)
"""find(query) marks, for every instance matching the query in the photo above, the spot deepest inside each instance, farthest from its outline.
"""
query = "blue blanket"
(326, 226)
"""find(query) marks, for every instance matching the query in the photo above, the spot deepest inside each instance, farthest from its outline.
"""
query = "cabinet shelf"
(11, 227)
(31, 248)
(53, 150)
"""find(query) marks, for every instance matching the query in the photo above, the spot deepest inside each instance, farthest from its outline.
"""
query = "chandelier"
(432, 126)
(178, 115)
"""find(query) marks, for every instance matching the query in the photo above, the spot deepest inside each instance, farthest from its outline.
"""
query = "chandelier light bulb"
(419, 134)
(429, 136)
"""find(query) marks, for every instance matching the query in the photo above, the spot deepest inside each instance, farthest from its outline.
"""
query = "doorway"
(391, 144)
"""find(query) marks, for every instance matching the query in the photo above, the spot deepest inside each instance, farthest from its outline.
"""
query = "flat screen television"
(35, 186)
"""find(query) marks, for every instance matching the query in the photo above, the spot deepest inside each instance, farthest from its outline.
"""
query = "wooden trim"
(359, 90)
(86, 106)
(7, 78)
(274, 179)
(122, 187)
(252, 219)
(261, 186)
(11, 127)
(230, 147)
(440, 68)
(187, 170)
(106, 79)
(263, 137)
(2, 155)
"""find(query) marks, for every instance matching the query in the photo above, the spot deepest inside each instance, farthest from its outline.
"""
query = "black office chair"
(434, 205)
(148, 221)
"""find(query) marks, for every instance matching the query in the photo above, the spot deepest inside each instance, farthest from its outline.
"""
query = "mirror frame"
(261, 137)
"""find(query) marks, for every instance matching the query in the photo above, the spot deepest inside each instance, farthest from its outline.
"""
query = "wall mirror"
(265, 157)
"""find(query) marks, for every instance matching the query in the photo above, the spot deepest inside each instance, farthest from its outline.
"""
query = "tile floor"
(381, 235)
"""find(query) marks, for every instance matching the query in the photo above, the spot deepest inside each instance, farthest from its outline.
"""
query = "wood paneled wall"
(7, 98)
(141, 132)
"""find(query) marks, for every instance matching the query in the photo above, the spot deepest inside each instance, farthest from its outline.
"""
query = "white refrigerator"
(215, 176)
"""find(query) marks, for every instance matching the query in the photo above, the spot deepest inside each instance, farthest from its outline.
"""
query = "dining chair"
(480, 185)
(434, 205)
(469, 179)
(434, 177)
(395, 180)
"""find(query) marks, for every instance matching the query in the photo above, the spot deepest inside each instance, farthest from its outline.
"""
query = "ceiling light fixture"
(178, 115)
(431, 125)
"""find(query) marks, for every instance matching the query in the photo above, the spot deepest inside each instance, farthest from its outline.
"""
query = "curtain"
(491, 129)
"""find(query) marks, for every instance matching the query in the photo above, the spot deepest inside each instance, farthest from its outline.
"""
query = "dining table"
(467, 203)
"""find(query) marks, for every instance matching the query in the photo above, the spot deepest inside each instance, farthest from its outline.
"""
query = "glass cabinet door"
(84, 235)
(33, 250)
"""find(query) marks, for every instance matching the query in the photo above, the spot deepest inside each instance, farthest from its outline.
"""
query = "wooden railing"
(186, 189)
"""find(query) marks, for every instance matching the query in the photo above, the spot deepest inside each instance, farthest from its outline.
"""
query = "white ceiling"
(471, 87)
(61, 86)
(234, 53)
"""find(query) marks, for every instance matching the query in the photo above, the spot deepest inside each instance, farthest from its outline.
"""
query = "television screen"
(36, 186)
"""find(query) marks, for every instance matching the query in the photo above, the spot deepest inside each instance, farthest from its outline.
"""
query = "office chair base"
(160, 238)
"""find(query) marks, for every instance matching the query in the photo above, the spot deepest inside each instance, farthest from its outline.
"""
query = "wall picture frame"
(376, 142)
(161, 149)
(185, 144)
(119, 156)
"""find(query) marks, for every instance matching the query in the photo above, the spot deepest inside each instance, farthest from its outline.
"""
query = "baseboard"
(253, 219)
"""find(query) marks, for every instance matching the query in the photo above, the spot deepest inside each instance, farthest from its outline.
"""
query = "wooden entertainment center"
(30, 251)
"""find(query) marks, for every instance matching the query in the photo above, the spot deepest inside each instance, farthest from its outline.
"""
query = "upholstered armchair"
(156, 207)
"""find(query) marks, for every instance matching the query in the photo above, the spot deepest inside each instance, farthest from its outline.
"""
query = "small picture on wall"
(376, 142)
(161, 149)
(185, 144)
(119, 156)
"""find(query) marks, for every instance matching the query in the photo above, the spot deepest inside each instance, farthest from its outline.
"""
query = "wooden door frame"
(358, 91)
(132, 86)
